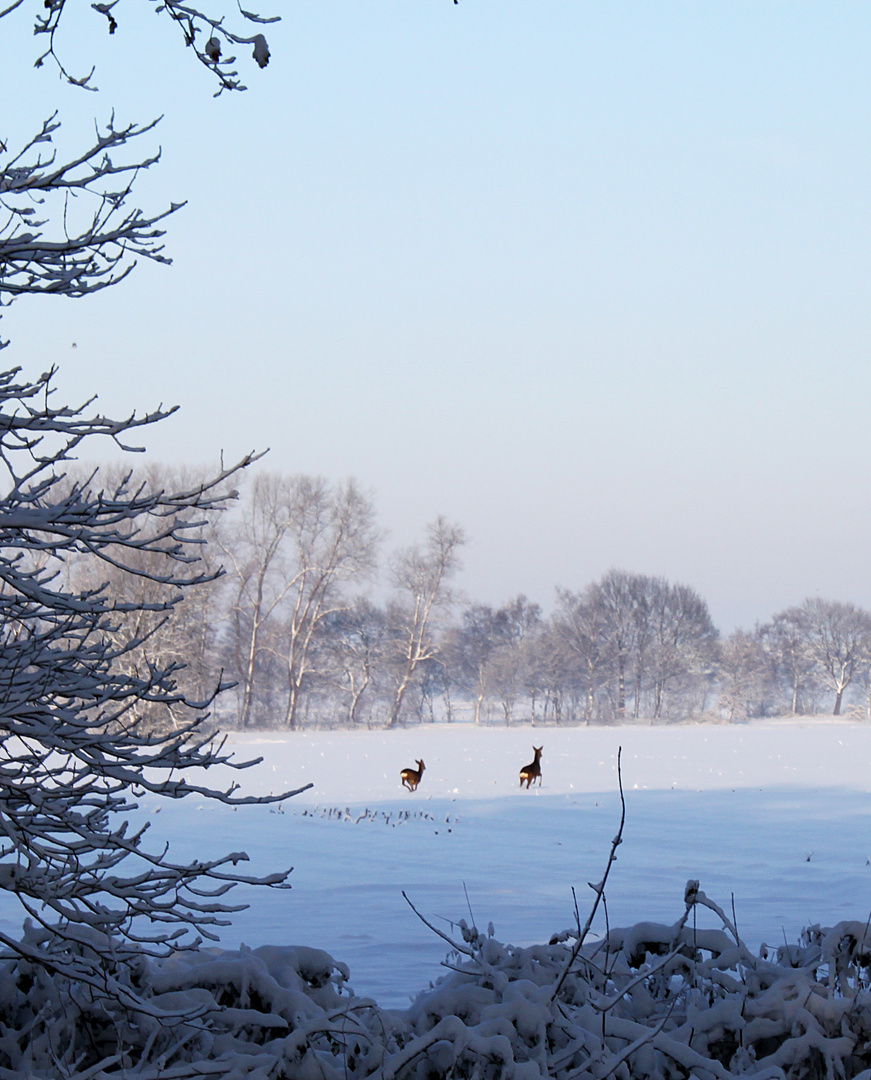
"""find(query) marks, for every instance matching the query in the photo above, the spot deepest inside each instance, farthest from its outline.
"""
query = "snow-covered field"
(774, 814)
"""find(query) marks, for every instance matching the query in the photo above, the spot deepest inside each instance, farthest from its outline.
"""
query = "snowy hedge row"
(649, 1001)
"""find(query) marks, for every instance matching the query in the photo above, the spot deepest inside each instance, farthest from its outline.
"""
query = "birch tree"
(253, 549)
(421, 576)
(297, 545)
(333, 543)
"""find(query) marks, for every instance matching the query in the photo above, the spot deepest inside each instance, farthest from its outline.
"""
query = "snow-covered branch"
(75, 752)
(52, 244)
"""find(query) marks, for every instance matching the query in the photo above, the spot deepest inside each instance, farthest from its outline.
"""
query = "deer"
(411, 777)
(532, 772)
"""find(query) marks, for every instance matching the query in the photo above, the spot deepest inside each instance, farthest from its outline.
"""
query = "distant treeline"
(291, 623)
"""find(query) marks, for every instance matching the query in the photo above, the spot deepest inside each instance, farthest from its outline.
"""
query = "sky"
(590, 279)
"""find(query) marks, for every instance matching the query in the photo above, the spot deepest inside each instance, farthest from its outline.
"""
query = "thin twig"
(469, 906)
(599, 889)
(445, 937)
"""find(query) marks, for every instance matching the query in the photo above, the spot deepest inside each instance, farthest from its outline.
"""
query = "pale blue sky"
(591, 279)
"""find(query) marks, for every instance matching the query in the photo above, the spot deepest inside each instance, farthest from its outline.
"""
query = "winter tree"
(252, 546)
(746, 676)
(578, 627)
(614, 595)
(202, 29)
(470, 650)
(511, 664)
(819, 646)
(839, 641)
(333, 545)
(421, 579)
(355, 642)
(684, 647)
(606, 629)
(147, 634)
(639, 636)
(787, 642)
(73, 755)
(298, 544)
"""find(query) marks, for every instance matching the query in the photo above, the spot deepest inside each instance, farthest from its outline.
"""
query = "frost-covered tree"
(421, 579)
(520, 625)
(293, 552)
(819, 646)
(639, 638)
(333, 543)
(683, 648)
(839, 640)
(188, 634)
(253, 547)
(354, 644)
(787, 642)
(623, 600)
(746, 675)
(579, 630)
(51, 244)
(73, 752)
(74, 759)
(470, 649)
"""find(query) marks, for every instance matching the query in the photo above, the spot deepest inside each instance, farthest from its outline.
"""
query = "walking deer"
(411, 777)
(532, 772)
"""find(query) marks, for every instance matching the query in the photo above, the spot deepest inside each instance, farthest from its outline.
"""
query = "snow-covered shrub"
(659, 1001)
(648, 1002)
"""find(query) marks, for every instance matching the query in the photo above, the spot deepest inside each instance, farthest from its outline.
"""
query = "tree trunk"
(356, 695)
(621, 690)
(398, 698)
(248, 681)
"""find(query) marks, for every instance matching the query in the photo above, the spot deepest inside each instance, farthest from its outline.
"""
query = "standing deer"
(532, 772)
(411, 777)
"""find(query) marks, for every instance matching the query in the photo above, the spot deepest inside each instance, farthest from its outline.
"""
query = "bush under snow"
(651, 1000)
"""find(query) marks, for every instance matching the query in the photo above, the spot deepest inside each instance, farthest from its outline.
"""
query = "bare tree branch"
(204, 31)
(95, 237)
(74, 757)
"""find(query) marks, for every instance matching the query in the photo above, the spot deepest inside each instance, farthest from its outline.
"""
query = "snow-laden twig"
(455, 945)
(47, 248)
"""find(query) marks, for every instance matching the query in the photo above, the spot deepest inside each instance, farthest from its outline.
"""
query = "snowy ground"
(774, 814)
